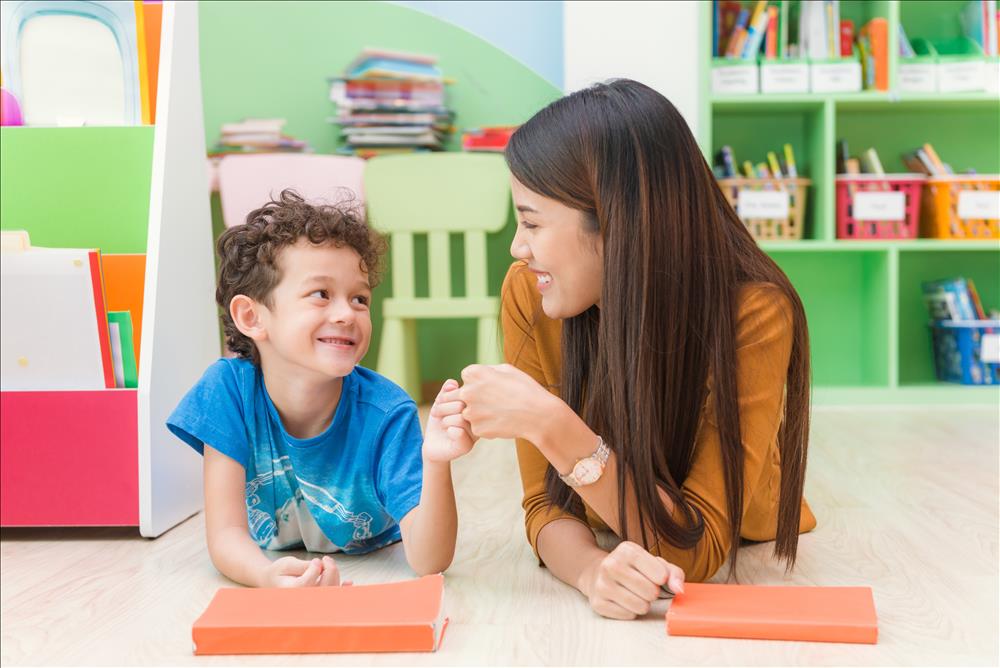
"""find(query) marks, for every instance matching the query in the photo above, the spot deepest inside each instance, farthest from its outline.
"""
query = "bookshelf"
(105, 457)
(868, 325)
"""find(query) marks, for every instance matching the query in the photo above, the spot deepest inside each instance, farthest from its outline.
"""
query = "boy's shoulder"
(228, 370)
(376, 392)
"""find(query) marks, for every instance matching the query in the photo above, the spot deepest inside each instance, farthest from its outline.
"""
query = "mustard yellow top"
(764, 342)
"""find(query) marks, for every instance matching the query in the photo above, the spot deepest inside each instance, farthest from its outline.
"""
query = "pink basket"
(882, 214)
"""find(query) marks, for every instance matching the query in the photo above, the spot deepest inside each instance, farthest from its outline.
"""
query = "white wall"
(656, 43)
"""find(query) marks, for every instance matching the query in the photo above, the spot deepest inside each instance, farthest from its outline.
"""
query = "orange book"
(877, 31)
(397, 617)
(824, 614)
(124, 281)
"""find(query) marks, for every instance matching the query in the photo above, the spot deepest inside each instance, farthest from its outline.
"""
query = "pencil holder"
(967, 352)
(772, 209)
(961, 207)
(876, 206)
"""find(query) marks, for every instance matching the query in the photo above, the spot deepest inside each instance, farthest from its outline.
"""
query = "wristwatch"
(588, 470)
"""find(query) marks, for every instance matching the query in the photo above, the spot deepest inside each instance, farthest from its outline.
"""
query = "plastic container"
(772, 209)
(961, 66)
(876, 206)
(918, 74)
(959, 349)
(732, 76)
(961, 207)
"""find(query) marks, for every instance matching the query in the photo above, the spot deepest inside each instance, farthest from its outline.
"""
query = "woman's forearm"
(563, 438)
(429, 540)
(569, 550)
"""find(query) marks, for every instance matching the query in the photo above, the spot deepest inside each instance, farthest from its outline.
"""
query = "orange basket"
(783, 227)
(961, 207)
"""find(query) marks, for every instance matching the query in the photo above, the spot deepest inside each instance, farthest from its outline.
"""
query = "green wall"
(271, 59)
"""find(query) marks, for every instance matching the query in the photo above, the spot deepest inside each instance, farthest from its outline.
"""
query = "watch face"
(587, 471)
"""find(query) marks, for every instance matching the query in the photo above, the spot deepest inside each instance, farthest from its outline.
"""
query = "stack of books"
(391, 102)
(256, 135)
(489, 139)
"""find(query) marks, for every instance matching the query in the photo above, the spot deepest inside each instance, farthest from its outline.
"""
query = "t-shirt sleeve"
(399, 468)
(211, 412)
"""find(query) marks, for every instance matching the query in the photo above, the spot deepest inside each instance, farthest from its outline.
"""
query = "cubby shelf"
(868, 326)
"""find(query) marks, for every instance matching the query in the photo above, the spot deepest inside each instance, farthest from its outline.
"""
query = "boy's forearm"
(430, 546)
(237, 557)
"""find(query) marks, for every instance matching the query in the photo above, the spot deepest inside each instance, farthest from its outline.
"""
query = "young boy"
(302, 447)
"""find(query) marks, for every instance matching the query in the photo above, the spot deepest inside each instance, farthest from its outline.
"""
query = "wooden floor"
(907, 503)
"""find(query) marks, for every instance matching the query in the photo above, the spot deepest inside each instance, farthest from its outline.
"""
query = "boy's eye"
(362, 299)
(322, 294)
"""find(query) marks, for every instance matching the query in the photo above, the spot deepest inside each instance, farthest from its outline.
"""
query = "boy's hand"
(448, 434)
(294, 572)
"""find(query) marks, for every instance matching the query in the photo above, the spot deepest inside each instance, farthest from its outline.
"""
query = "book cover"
(819, 614)
(397, 617)
(949, 299)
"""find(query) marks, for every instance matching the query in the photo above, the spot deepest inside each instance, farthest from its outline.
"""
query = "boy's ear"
(247, 315)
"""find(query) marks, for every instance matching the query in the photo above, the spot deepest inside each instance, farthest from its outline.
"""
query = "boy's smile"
(319, 319)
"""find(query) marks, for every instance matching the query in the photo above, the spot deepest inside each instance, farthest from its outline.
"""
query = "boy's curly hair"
(248, 253)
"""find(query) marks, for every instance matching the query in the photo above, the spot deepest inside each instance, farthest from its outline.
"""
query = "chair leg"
(487, 342)
(397, 355)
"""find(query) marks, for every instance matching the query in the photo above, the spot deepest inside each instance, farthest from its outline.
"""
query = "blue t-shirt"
(343, 490)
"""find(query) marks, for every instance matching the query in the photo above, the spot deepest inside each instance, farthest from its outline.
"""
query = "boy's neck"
(306, 406)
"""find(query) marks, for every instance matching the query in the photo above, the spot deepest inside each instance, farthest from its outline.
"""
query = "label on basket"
(879, 206)
(762, 204)
(989, 350)
(978, 204)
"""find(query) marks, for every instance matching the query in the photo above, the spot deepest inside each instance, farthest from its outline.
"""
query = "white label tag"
(879, 206)
(989, 350)
(784, 78)
(977, 205)
(734, 79)
(836, 77)
(762, 204)
(917, 78)
(960, 77)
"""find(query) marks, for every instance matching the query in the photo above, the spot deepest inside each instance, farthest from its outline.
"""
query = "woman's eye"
(528, 226)
(322, 294)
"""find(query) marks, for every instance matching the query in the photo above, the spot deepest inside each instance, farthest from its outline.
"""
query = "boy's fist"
(448, 434)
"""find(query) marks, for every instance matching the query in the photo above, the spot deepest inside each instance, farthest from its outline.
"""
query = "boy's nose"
(342, 313)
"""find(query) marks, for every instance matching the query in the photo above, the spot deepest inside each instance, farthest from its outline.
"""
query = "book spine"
(771, 50)
(759, 629)
(846, 38)
(312, 639)
(101, 310)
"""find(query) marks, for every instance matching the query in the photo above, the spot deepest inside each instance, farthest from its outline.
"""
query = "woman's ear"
(247, 314)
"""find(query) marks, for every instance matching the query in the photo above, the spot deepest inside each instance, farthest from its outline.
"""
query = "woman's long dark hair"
(675, 257)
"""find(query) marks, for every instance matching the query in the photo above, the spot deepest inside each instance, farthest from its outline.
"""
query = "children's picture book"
(951, 299)
(396, 617)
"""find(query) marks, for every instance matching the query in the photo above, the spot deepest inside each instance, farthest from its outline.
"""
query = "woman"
(658, 363)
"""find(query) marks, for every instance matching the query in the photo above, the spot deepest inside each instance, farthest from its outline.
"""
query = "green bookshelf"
(868, 325)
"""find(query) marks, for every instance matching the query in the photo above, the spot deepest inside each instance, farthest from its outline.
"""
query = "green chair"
(436, 194)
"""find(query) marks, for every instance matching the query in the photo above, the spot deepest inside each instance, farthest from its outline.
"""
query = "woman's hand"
(624, 583)
(448, 436)
(295, 572)
(502, 401)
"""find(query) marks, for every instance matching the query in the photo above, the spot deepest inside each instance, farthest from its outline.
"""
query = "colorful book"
(877, 33)
(54, 331)
(846, 38)
(755, 33)
(398, 617)
(729, 11)
(122, 349)
(949, 299)
(871, 162)
(818, 614)
(771, 39)
(734, 46)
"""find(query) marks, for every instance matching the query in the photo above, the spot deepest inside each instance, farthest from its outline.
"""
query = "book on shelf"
(54, 332)
(951, 299)
(491, 139)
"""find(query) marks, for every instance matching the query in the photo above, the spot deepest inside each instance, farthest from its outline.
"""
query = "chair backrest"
(72, 62)
(438, 194)
(246, 182)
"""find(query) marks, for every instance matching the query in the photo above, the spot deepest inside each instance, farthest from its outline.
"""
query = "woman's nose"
(519, 249)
